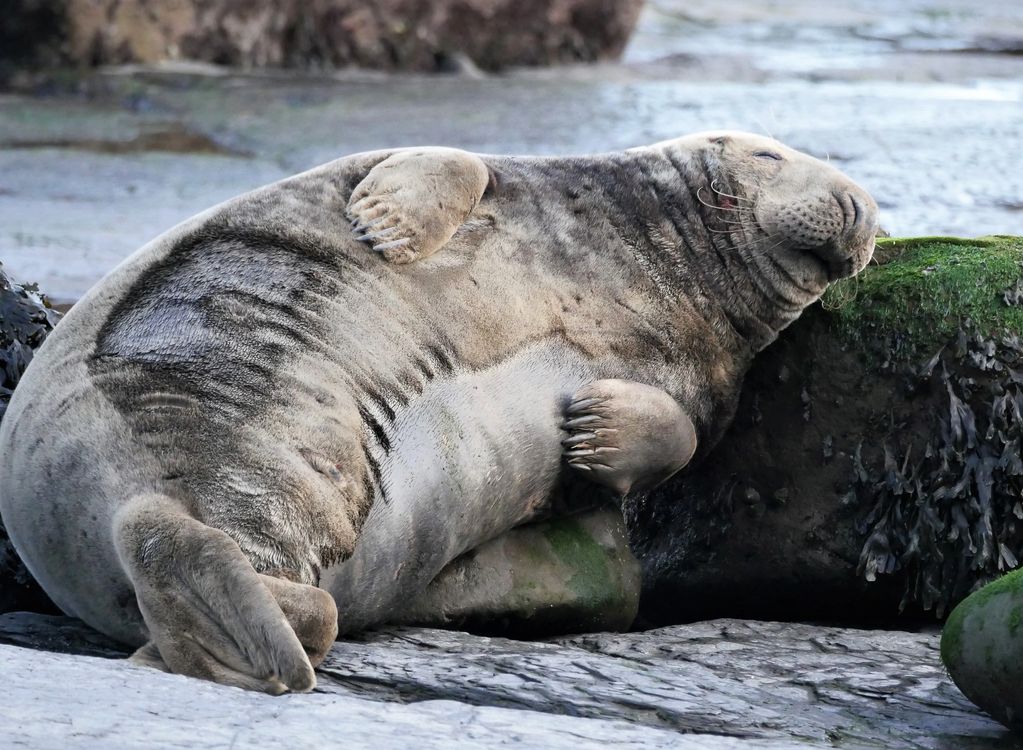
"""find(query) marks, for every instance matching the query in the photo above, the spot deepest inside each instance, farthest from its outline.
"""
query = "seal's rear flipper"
(209, 614)
(411, 203)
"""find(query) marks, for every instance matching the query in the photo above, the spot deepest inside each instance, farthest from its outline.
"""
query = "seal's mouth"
(827, 265)
(831, 266)
(837, 265)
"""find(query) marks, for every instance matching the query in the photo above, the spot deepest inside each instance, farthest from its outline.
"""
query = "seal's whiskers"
(713, 186)
(734, 209)
(753, 241)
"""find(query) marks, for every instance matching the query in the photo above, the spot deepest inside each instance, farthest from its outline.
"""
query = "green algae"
(579, 552)
(1014, 621)
(923, 289)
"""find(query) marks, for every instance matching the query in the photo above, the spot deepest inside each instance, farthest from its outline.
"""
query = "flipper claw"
(362, 226)
(582, 421)
(383, 233)
(421, 196)
(384, 246)
(582, 405)
(579, 437)
(626, 435)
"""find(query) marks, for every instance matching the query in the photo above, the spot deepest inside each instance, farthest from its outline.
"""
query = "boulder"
(383, 34)
(982, 647)
(564, 575)
(715, 685)
(874, 462)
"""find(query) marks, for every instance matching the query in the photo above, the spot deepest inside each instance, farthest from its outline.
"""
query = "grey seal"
(342, 381)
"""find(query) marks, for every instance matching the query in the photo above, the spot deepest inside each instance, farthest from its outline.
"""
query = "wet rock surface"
(386, 34)
(721, 684)
(57, 634)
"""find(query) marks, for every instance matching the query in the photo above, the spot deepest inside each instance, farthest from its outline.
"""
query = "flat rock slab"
(718, 684)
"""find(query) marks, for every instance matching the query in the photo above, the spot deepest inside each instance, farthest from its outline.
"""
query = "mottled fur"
(234, 399)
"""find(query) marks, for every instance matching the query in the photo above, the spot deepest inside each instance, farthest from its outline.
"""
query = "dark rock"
(26, 318)
(32, 34)
(913, 375)
(385, 34)
(59, 634)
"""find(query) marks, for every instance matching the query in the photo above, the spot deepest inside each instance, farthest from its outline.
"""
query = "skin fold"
(292, 411)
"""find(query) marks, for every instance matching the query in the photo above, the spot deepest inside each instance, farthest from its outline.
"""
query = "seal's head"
(781, 224)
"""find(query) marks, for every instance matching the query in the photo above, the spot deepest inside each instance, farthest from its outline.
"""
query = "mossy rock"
(563, 575)
(982, 648)
(922, 289)
(873, 467)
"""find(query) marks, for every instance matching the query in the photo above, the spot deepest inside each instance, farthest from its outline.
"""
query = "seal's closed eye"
(768, 155)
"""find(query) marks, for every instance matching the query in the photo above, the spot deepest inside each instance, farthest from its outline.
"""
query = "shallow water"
(912, 99)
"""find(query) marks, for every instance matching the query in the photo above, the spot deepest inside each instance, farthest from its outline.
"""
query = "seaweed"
(943, 505)
(26, 318)
(950, 517)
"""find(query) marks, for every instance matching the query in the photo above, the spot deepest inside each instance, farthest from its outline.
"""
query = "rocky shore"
(810, 508)
(716, 685)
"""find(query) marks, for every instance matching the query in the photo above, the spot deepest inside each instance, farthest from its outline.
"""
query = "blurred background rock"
(319, 34)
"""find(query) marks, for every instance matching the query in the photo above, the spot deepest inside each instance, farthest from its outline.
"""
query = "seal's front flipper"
(627, 435)
(208, 613)
(411, 203)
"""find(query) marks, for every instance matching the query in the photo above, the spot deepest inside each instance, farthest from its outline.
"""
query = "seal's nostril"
(857, 211)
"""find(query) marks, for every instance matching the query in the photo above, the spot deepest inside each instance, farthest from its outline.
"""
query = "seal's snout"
(860, 213)
(853, 214)
(855, 245)
(821, 223)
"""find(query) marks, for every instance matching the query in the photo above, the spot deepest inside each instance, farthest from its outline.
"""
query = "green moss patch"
(924, 288)
(577, 549)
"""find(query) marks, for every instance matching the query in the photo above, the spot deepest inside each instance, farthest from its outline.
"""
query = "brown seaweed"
(26, 318)
(950, 520)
